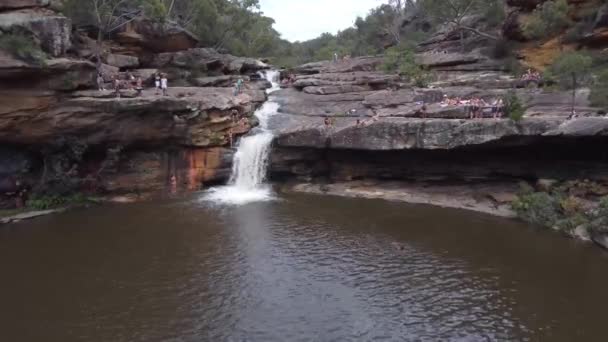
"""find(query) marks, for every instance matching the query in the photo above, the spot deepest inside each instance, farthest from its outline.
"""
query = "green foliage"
(46, 202)
(570, 69)
(513, 107)
(156, 9)
(548, 19)
(538, 208)
(402, 59)
(599, 90)
(22, 47)
(494, 13)
(570, 223)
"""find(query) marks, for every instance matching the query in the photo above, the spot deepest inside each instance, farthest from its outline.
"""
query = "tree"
(569, 70)
(455, 12)
(107, 16)
(402, 59)
(548, 19)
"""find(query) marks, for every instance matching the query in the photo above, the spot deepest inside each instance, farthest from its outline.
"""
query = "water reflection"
(303, 269)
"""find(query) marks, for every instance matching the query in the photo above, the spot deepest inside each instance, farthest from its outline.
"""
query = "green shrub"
(514, 108)
(570, 69)
(548, 19)
(402, 59)
(572, 222)
(45, 202)
(538, 208)
(599, 217)
(22, 47)
(599, 90)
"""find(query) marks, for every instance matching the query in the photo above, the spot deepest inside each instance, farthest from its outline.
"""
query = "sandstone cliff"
(55, 124)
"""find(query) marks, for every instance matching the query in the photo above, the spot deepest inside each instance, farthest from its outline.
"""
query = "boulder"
(52, 31)
(340, 89)
(304, 104)
(15, 4)
(600, 238)
(157, 37)
(546, 185)
(440, 59)
(122, 61)
(218, 81)
(374, 79)
(208, 60)
(369, 63)
(582, 127)
(147, 75)
(108, 71)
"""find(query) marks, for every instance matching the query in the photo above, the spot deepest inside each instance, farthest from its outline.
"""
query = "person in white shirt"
(163, 84)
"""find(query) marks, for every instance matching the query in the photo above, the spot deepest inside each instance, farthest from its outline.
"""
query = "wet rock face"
(150, 171)
(511, 159)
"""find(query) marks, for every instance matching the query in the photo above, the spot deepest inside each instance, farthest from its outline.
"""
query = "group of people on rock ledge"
(133, 82)
(475, 106)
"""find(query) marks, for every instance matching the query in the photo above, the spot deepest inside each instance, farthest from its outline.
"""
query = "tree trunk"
(98, 50)
(573, 91)
(462, 41)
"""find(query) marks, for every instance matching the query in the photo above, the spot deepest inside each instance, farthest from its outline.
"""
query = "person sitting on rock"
(327, 121)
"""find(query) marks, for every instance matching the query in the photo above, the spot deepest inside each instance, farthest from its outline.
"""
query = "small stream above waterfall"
(250, 164)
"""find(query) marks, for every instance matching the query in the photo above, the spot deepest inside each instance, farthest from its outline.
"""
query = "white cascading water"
(250, 162)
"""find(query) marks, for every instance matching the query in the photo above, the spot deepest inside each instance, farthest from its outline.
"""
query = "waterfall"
(250, 164)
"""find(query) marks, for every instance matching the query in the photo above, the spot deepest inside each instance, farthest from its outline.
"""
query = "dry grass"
(541, 56)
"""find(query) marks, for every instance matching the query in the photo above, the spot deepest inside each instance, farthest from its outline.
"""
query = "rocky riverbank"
(349, 129)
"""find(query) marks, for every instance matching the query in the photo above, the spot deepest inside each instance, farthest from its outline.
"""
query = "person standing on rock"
(164, 84)
(116, 84)
(237, 87)
(130, 80)
(335, 57)
(100, 82)
(139, 86)
(157, 83)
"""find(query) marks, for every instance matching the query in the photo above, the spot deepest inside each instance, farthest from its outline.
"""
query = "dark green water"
(304, 268)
